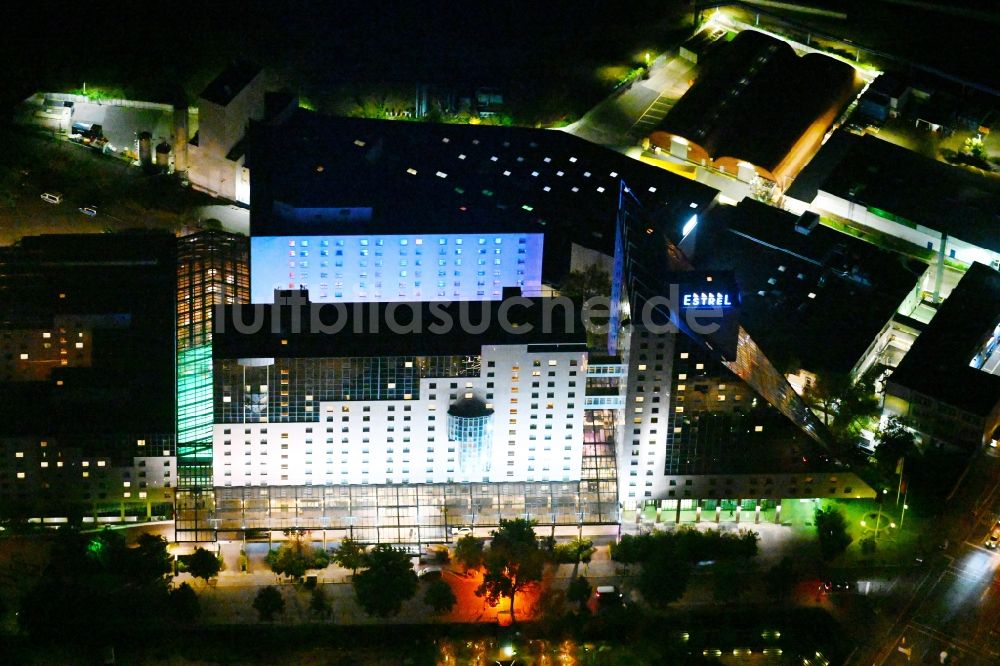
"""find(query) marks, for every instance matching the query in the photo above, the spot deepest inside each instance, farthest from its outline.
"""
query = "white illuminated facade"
(515, 414)
(396, 267)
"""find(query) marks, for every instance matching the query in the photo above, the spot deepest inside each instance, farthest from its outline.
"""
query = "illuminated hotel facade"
(212, 270)
(397, 436)
(396, 267)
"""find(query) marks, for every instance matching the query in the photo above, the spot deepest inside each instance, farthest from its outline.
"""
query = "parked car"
(89, 211)
(52, 197)
(461, 531)
(608, 596)
(429, 573)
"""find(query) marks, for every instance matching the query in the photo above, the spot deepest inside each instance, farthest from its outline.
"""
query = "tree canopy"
(831, 530)
(203, 564)
(688, 544)
(846, 406)
(579, 591)
(894, 441)
(92, 584)
(294, 558)
(440, 596)
(664, 577)
(350, 555)
(512, 562)
(268, 603)
(469, 552)
(388, 581)
(780, 579)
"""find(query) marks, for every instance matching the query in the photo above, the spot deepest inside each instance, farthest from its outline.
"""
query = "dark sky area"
(154, 50)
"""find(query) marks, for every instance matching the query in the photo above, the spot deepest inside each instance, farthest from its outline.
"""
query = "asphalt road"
(952, 611)
(629, 114)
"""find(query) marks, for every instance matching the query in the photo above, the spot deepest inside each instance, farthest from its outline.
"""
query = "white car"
(429, 572)
(461, 531)
(52, 197)
(89, 211)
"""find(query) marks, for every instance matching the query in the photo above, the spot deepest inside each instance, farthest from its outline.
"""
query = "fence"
(79, 99)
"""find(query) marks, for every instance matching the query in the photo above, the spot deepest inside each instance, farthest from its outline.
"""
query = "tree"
(350, 555)
(203, 564)
(388, 581)
(846, 406)
(579, 591)
(630, 549)
(150, 559)
(440, 596)
(730, 581)
(831, 529)
(268, 603)
(318, 603)
(469, 552)
(574, 552)
(184, 603)
(894, 442)
(664, 578)
(512, 563)
(780, 580)
(294, 558)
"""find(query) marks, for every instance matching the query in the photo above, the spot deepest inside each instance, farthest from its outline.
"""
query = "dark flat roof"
(756, 98)
(417, 326)
(875, 173)
(938, 363)
(233, 79)
(856, 286)
(463, 177)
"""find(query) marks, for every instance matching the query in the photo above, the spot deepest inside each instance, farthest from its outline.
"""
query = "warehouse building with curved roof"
(758, 108)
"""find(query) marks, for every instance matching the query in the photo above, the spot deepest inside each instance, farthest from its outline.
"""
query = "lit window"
(758, 428)
(24, 357)
(684, 354)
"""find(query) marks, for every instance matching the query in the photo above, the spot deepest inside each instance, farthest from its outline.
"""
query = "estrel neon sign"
(711, 299)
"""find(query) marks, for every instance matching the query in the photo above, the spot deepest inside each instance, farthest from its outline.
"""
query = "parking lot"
(122, 196)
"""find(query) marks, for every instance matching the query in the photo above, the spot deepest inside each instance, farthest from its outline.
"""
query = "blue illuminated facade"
(396, 267)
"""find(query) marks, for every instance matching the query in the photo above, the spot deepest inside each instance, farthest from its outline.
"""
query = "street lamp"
(885, 491)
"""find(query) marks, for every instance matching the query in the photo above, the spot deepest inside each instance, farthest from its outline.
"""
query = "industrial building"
(872, 184)
(216, 153)
(812, 279)
(757, 109)
(947, 388)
